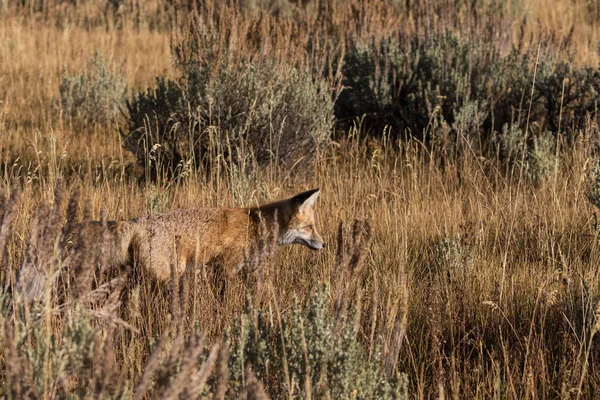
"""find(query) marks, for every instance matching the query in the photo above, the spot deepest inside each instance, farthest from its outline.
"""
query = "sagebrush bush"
(321, 355)
(593, 183)
(158, 123)
(565, 95)
(400, 83)
(536, 155)
(93, 96)
(542, 157)
(275, 113)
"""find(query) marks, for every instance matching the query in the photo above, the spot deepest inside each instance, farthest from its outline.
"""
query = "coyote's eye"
(309, 227)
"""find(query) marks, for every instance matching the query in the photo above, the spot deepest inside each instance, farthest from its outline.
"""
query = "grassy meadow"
(455, 146)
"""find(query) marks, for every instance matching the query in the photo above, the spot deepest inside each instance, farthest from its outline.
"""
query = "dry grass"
(473, 281)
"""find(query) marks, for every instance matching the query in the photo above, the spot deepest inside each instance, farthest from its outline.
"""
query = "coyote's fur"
(192, 237)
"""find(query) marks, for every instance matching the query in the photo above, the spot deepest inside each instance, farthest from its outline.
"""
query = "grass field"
(457, 266)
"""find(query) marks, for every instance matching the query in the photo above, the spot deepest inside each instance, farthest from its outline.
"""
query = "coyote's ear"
(306, 199)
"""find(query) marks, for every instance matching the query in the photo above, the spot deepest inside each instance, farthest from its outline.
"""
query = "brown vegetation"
(471, 271)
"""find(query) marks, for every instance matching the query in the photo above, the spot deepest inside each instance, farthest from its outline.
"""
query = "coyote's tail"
(119, 236)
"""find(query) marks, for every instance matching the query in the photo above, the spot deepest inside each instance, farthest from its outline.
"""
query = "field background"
(469, 272)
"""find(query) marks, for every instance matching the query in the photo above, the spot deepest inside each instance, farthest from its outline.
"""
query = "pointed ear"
(306, 199)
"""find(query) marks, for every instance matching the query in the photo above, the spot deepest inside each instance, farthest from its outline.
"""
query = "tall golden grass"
(475, 282)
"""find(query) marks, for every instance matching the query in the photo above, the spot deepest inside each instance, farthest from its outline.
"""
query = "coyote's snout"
(193, 237)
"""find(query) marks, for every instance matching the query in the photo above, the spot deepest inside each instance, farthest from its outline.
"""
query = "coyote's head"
(301, 228)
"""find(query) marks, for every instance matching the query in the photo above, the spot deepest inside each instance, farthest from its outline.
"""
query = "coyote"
(193, 237)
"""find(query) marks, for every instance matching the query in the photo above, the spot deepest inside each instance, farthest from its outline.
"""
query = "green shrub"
(158, 124)
(566, 94)
(540, 157)
(317, 352)
(469, 80)
(274, 113)
(74, 361)
(400, 85)
(95, 95)
(593, 183)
